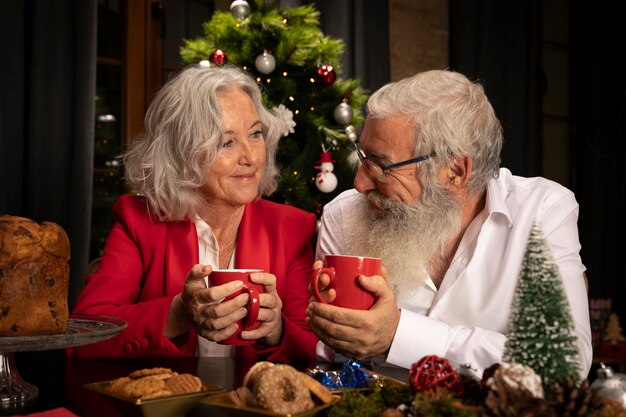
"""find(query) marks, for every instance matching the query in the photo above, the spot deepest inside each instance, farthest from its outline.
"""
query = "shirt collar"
(205, 233)
(497, 193)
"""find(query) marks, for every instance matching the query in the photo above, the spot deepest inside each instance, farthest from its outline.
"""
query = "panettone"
(34, 275)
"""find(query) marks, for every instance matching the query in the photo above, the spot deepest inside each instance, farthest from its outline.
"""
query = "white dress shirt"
(209, 252)
(466, 319)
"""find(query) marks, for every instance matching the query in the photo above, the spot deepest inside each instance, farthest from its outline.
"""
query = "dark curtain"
(599, 94)
(47, 119)
(496, 44)
(364, 27)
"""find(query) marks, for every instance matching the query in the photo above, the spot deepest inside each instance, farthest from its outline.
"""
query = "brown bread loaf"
(34, 275)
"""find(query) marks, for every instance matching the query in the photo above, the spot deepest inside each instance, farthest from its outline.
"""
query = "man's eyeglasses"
(380, 170)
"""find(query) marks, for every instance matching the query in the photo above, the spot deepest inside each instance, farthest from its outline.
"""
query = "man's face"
(403, 221)
(389, 141)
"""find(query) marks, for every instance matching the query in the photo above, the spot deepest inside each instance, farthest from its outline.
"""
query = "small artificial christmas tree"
(541, 327)
(613, 333)
(297, 67)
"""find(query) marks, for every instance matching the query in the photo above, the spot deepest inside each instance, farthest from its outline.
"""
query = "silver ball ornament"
(351, 133)
(610, 384)
(240, 9)
(265, 63)
(343, 113)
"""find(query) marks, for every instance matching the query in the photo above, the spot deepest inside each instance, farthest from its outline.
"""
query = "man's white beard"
(405, 236)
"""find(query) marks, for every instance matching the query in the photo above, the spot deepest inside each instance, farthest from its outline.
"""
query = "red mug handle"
(316, 276)
(254, 305)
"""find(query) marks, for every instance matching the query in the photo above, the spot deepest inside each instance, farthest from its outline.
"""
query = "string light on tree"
(265, 63)
(326, 180)
(240, 9)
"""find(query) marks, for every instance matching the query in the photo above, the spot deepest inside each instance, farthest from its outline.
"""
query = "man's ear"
(459, 170)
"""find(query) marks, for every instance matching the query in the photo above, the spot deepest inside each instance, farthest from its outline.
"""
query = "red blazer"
(145, 263)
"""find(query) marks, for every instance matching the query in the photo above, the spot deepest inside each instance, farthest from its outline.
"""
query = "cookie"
(183, 384)
(162, 373)
(141, 387)
(254, 371)
(280, 389)
(158, 394)
(318, 390)
(243, 397)
(116, 386)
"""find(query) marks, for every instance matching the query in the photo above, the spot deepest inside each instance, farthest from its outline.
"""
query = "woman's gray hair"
(452, 116)
(168, 163)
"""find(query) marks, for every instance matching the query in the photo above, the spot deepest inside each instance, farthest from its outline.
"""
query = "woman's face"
(233, 179)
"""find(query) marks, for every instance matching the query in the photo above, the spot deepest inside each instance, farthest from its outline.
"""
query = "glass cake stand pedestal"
(81, 330)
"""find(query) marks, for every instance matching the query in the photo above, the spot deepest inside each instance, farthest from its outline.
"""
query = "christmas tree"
(613, 331)
(541, 327)
(297, 68)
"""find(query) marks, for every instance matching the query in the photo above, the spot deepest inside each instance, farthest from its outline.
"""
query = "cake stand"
(81, 330)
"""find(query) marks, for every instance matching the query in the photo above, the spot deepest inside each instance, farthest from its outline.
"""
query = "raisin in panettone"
(34, 275)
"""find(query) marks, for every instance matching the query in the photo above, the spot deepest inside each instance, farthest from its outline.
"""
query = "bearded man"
(450, 226)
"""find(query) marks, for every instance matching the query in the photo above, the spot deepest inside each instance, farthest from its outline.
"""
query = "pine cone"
(505, 401)
(569, 399)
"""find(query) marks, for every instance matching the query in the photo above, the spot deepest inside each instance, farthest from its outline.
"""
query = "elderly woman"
(206, 157)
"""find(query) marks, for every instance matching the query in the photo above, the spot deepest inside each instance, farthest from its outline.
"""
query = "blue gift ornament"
(353, 374)
(330, 379)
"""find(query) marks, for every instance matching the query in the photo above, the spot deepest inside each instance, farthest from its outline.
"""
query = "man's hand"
(327, 293)
(358, 333)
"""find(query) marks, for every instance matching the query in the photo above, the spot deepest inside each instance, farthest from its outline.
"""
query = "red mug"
(344, 272)
(249, 322)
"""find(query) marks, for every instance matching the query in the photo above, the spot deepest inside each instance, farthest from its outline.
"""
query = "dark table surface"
(61, 380)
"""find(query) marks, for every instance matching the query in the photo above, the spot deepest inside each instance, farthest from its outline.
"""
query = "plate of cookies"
(154, 392)
(276, 390)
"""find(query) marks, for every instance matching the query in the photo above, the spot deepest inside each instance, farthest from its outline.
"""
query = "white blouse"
(209, 254)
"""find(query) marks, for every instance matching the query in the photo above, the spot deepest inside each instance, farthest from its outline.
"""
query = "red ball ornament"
(326, 74)
(218, 57)
(433, 373)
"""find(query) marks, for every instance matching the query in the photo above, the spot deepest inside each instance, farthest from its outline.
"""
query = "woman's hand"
(198, 307)
(271, 330)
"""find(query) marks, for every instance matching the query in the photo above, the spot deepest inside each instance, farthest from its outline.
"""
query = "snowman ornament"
(326, 180)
